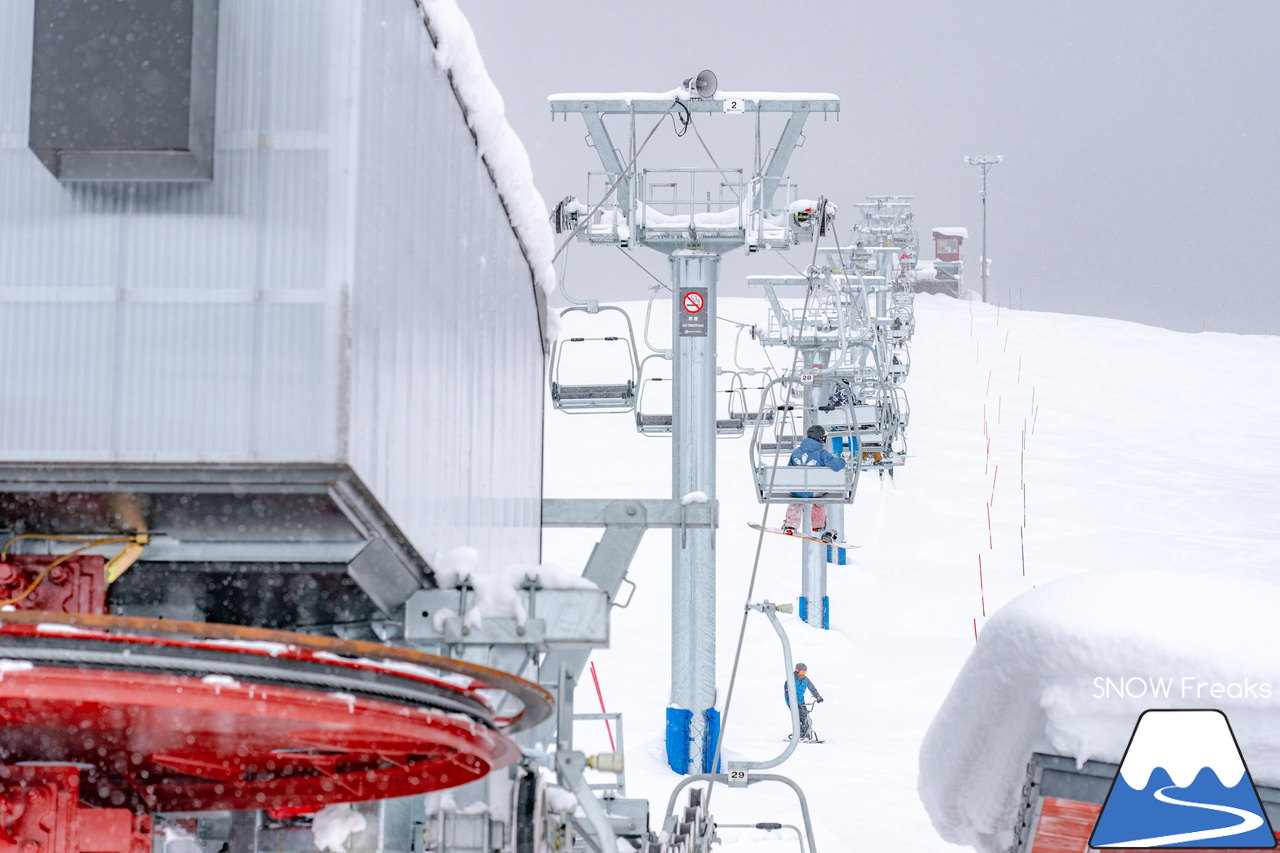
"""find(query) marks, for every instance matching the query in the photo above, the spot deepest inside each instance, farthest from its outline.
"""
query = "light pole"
(985, 162)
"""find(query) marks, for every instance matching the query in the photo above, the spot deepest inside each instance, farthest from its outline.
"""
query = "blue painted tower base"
(680, 740)
(826, 611)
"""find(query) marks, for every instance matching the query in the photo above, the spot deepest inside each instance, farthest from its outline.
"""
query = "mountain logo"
(1183, 783)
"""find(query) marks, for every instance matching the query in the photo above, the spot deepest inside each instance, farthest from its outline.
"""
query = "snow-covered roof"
(1037, 682)
(457, 54)
(952, 231)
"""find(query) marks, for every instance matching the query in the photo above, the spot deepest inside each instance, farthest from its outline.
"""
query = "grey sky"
(1140, 138)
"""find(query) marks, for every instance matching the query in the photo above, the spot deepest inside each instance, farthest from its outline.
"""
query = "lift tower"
(693, 216)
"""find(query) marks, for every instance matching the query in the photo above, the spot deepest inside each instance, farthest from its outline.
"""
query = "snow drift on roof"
(1037, 682)
(952, 231)
(457, 54)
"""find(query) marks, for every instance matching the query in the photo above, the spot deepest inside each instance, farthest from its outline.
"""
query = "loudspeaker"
(702, 85)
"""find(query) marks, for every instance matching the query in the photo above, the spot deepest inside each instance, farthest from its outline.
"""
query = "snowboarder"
(802, 684)
(812, 453)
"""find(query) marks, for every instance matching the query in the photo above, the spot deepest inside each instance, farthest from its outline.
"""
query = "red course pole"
(600, 696)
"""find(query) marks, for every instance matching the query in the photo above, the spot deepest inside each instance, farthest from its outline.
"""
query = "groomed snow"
(1147, 451)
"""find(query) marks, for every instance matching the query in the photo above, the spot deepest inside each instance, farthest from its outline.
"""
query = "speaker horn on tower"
(701, 85)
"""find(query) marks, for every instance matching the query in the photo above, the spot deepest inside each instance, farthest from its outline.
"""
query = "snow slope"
(1144, 449)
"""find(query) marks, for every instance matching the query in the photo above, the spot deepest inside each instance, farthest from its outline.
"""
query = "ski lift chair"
(741, 411)
(648, 421)
(879, 424)
(872, 430)
(901, 406)
(902, 323)
(899, 364)
(651, 422)
(577, 398)
(733, 424)
(777, 480)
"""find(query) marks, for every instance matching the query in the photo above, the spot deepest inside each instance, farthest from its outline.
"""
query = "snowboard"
(797, 535)
(803, 740)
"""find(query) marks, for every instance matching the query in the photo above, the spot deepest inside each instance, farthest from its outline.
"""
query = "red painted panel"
(1065, 827)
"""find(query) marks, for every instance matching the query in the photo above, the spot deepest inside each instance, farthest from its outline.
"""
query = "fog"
(1138, 179)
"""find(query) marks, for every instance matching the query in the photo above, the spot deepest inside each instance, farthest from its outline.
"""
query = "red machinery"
(109, 719)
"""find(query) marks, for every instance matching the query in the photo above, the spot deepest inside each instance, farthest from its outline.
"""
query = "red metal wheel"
(176, 743)
(235, 718)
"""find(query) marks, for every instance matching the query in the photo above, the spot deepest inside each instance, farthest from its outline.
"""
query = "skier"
(812, 453)
(802, 684)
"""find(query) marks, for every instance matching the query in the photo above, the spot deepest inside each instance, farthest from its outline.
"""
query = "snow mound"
(333, 825)
(497, 588)
(1069, 667)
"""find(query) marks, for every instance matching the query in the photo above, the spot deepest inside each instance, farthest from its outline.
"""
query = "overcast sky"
(1140, 138)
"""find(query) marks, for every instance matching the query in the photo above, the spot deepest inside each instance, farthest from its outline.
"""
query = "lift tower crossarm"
(641, 103)
(608, 154)
(772, 174)
(593, 106)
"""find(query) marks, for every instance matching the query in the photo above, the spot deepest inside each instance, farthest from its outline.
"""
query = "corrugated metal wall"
(347, 288)
(460, 401)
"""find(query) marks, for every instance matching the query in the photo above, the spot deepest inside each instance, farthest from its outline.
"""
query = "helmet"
(817, 433)
(801, 668)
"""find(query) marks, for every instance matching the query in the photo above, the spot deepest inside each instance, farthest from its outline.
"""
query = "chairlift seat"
(615, 397)
(661, 425)
(753, 418)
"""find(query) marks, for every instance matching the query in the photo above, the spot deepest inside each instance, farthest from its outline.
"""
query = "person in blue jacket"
(803, 684)
(812, 453)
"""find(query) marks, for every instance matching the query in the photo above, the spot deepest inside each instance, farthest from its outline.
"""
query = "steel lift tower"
(693, 216)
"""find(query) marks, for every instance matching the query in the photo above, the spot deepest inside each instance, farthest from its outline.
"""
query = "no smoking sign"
(693, 320)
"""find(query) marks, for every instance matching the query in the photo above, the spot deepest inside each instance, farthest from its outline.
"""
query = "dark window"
(123, 90)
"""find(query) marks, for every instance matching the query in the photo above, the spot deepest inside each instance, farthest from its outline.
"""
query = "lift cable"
(755, 566)
(703, 143)
(667, 287)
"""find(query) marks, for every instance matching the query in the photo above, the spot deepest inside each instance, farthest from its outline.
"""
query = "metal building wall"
(347, 289)
(447, 360)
